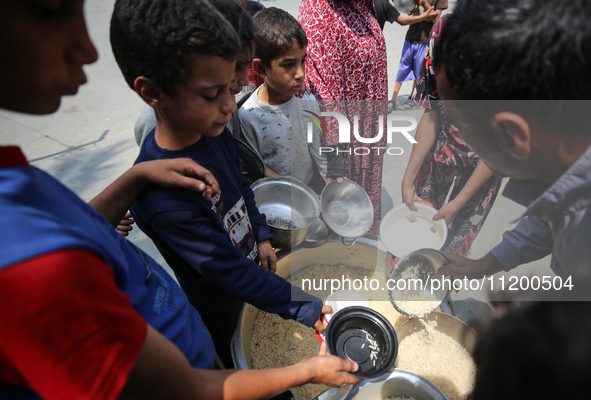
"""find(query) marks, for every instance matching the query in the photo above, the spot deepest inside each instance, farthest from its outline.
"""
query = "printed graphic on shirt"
(217, 206)
(237, 224)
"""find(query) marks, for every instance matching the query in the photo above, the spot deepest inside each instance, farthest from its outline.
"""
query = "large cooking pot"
(366, 253)
(363, 254)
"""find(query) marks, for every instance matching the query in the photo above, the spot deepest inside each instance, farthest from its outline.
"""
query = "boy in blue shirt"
(213, 246)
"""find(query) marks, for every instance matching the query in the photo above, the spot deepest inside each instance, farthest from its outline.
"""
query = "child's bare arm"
(162, 371)
(425, 137)
(425, 4)
(430, 15)
(480, 175)
(113, 202)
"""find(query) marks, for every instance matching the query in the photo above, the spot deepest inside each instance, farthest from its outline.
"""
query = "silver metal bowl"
(417, 270)
(290, 206)
(405, 6)
(319, 234)
(399, 383)
(346, 209)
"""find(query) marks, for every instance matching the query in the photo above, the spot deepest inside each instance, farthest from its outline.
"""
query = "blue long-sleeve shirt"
(557, 221)
(212, 245)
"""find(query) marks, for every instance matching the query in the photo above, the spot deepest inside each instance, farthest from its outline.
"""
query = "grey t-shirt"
(280, 135)
(144, 124)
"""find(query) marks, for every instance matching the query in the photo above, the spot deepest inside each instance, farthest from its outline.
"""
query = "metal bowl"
(290, 206)
(420, 265)
(403, 231)
(405, 6)
(399, 383)
(346, 209)
(319, 234)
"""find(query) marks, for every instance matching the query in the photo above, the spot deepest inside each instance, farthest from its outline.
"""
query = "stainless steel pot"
(285, 202)
(364, 253)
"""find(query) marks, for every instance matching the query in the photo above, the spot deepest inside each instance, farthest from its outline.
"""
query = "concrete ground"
(89, 141)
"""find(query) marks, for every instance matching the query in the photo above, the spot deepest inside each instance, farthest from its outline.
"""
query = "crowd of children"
(116, 320)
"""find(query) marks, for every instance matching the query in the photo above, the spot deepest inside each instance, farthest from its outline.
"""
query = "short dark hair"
(538, 351)
(276, 32)
(159, 38)
(517, 49)
(239, 18)
(520, 50)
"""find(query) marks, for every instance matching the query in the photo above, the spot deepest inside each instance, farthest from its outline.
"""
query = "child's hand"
(305, 89)
(409, 196)
(267, 256)
(180, 172)
(320, 324)
(329, 370)
(339, 180)
(125, 226)
(448, 212)
(431, 15)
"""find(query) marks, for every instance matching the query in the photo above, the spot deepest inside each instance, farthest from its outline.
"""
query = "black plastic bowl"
(365, 336)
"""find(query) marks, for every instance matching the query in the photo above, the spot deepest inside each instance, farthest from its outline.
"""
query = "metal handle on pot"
(344, 240)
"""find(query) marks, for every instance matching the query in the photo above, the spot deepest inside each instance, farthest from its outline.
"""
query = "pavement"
(89, 141)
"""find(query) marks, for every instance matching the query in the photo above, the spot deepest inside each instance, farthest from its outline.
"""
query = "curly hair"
(517, 49)
(159, 38)
(531, 51)
(239, 18)
(277, 30)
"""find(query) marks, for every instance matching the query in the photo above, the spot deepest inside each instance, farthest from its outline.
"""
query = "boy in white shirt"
(275, 120)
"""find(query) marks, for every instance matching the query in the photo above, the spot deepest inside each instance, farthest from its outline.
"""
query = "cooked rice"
(417, 308)
(278, 343)
(439, 358)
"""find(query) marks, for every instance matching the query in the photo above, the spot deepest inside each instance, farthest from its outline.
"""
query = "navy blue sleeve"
(258, 220)
(530, 240)
(211, 253)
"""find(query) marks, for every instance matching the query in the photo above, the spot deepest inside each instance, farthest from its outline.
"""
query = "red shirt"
(66, 331)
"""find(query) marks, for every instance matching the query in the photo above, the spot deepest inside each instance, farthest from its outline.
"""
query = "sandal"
(391, 106)
(409, 104)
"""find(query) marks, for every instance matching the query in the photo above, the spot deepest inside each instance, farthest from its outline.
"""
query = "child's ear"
(150, 93)
(258, 67)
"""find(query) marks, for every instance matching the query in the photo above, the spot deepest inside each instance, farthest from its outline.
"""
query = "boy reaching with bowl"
(213, 246)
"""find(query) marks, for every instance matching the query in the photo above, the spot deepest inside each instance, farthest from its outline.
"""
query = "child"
(252, 164)
(441, 160)
(413, 50)
(81, 301)
(385, 11)
(273, 119)
(213, 246)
